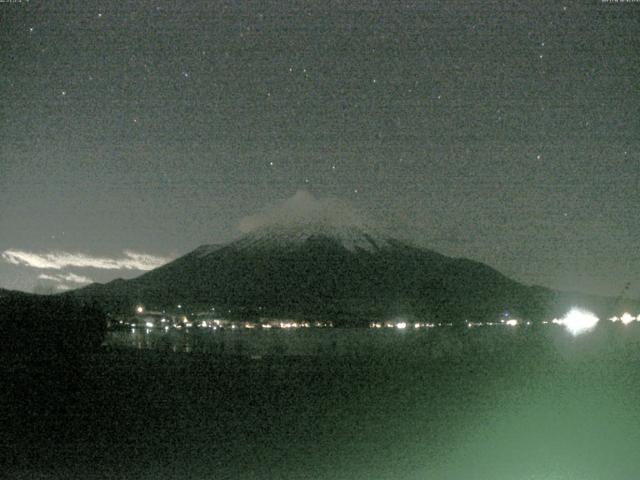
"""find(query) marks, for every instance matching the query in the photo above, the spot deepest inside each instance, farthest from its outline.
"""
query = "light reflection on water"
(435, 343)
(495, 404)
(248, 342)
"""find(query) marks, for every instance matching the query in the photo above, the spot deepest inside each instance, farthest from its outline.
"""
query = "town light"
(579, 321)
(627, 318)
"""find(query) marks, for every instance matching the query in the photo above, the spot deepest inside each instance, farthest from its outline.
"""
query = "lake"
(479, 403)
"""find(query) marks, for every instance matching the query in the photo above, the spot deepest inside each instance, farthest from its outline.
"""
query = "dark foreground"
(500, 405)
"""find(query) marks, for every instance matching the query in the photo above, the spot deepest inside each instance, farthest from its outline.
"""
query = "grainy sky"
(507, 132)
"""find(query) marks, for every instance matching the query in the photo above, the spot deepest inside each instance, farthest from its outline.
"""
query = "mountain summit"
(313, 258)
(343, 272)
(304, 218)
(350, 237)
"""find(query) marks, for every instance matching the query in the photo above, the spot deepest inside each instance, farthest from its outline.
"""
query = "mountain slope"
(310, 270)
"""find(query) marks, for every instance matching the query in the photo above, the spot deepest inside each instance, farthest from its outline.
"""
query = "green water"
(497, 404)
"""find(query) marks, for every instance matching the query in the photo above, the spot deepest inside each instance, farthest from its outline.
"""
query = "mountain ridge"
(349, 273)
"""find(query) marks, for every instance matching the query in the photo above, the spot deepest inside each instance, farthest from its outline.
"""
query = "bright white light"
(149, 324)
(140, 309)
(614, 319)
(512, 322)
(627, 318)
(579, 321)
(401, 325)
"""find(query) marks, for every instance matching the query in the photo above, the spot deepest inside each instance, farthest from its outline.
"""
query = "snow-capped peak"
(302, 218)
(351, 237)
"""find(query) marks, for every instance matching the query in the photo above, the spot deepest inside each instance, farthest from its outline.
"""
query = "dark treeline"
(39, 326)
(45, 339)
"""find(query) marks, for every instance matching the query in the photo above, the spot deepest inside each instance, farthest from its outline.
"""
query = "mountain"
(348, 273)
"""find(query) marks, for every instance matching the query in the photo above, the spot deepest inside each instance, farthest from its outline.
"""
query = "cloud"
(73, 278)
(69, 277)
(303, 208)
(53, 278)
(60, 260)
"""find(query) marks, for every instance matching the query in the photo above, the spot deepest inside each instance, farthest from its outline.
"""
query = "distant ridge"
(350, 273)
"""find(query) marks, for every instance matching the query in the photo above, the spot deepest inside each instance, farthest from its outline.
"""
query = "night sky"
(506, 132)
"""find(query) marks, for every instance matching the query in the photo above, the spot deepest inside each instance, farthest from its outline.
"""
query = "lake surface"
(431, 342)
(486, 403)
